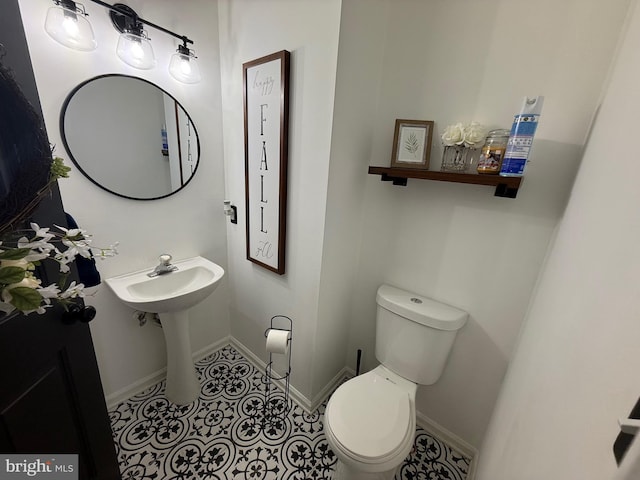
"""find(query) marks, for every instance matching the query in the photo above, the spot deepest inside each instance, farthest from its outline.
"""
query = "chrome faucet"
(164, 266)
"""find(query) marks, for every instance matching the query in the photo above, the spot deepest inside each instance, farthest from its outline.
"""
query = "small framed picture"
(412, 144)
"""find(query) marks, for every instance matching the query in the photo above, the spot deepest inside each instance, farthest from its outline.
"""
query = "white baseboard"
(295, 395)
(450, 439)
(331, 386)
(209, 349)
(301, 400)
(136, 387)
(119, 396)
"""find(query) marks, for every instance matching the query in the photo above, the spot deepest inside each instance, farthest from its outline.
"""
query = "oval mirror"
(129, 137)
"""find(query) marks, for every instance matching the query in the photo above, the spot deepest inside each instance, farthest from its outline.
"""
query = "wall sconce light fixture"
(134, 47)
(67, 24)
(183, 66)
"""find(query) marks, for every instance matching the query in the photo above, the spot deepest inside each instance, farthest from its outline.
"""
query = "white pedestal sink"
(171, 295)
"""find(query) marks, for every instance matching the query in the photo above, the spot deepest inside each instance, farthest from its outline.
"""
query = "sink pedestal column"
(182, 385)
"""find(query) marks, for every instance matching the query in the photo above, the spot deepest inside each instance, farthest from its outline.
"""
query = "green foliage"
(9, 275)
(14, 253)
(412, 144)
(25, 298)
(59, 169)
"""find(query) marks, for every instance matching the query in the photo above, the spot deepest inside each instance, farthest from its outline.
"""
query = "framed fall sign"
(266, 121)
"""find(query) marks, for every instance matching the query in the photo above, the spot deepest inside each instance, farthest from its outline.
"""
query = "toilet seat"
(371, 419)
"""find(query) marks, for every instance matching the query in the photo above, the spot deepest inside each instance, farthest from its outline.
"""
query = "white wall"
(357, 91)
(250, 29)
(574, 372)
(461, 61)
(186, 224)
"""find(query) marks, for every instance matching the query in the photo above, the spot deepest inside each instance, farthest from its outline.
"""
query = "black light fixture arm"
(72, 7)
(128, 12)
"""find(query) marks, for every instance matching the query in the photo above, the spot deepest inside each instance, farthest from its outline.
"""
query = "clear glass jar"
(493, 151)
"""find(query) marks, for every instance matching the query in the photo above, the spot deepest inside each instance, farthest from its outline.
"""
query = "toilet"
(370, 420)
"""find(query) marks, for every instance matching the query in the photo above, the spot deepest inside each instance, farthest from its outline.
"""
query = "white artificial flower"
(35, 256)
(71, 252)
(474, 134)
(73, 232)
(52, 291)
(41, 247)
(40, 310)
(28, 281)
(5, 295)
(63, 260)
(73, 291)
(453, 135)
(23, 263)
(103, 253)
(78, 247)
(6, 307)
(41, 232)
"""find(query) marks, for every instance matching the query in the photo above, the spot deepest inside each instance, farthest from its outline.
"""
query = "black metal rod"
(184, 38)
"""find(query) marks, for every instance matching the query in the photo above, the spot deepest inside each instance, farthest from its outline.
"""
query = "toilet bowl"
(370, 420)
(370, 424)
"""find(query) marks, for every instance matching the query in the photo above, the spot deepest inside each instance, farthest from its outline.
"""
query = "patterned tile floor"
(222, 435)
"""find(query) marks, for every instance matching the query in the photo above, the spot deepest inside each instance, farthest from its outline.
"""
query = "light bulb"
(136, 50)
(70, 28)
(184, 67)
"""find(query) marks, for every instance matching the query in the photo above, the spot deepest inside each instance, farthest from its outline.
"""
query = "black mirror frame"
(63, 110)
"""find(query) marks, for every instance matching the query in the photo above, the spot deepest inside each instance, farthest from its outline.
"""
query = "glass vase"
(459, 159)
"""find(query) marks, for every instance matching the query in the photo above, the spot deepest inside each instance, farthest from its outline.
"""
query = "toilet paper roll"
(278, 341)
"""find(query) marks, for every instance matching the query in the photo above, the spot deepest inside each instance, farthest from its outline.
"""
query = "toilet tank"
(414, 334)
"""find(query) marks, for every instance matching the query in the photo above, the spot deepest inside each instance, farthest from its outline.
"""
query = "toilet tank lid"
(422, 310)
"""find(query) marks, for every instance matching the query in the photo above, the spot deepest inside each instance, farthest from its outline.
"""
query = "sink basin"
(194, 281)
(171, 295)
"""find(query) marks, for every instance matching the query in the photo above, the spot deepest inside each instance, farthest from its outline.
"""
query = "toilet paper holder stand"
(272, 406)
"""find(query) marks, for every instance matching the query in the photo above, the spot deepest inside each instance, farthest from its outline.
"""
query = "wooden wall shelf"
(505, 186)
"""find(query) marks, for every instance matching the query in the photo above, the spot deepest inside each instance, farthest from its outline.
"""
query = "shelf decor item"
(462, 142)
(493, 151)
(412, 144)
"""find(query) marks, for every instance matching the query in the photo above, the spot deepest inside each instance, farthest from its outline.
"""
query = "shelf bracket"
(402, 181)
(505, 191)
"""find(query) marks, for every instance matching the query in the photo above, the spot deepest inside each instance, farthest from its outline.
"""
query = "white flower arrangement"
(21, 290)
(471, 135)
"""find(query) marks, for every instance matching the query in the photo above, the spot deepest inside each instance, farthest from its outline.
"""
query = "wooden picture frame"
(412, 144)
(266, 131)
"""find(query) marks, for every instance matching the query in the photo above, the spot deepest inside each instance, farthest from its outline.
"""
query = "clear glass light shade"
(136, 51)
(184, 68)
(69, 28)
